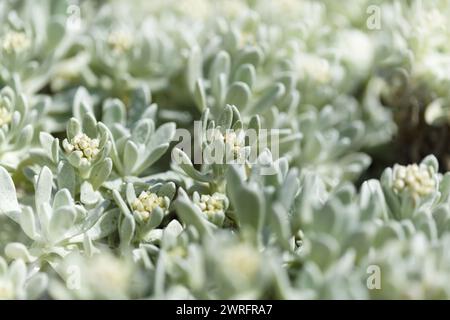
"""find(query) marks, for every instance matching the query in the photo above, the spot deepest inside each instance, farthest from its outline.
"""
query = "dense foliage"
(97, 200)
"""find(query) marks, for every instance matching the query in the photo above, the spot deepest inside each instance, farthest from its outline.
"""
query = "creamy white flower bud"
(5, 116)
(242, 260)
(15, 42)
(211, 204)
(120, 41)
(89, 148)
(235, 141)
(146, 203)
(418, 180)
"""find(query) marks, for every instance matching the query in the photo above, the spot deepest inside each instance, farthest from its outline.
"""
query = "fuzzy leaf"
(28, 223)
(66, 177)
(238, 94)
(44, 186)
(130, 156)
(8, 198)
(247, 201)
(100, 172)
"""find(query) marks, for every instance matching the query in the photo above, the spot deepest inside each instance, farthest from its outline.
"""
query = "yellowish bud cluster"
(146, 203)
(211, 204)
(247, 38)
(120, 41)
(417, 179)
(87, 146)
(178, 252)
(242, 260)
(5, 115)
(15, 42)
(234, 141)
(109, 273)
(315, 68)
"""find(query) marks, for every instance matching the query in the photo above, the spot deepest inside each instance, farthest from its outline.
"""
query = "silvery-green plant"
(278, 103)
(124, 56)
(329, 149)
(99, 200)
(32, 41)
(143, 210)
(247, 273)
(54, 223)
(17, 283)
(86, 149)
(101, 276)
(218, 144)
(135, 140)
(269, 198)
(17, 120)
(345, 232)
(421, 270)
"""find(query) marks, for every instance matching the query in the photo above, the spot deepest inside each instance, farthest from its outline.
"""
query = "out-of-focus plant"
(316, 169)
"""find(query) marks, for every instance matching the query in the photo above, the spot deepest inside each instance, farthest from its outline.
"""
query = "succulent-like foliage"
(143, 211)
(33, 38)
(229, 149)
(17, 283)
(55, 224)
(17, 121)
